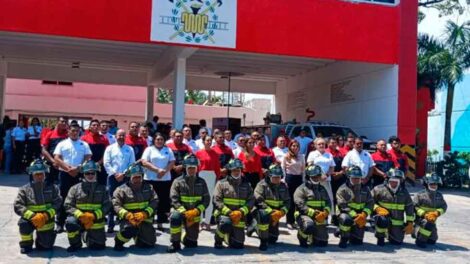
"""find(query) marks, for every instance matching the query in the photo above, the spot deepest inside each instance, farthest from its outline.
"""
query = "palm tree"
(441, 64)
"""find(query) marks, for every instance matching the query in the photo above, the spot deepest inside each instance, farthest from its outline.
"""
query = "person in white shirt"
(158, 161)
(104, 130)
(69, 154)
(188, 139)
(241, 140)
(360, 158)
(326, 162)
(144, 133)
(202, 133)
(33, 150)
(117, 158)
(304, 141)
(280, 150)
(228, 140)
(18, 142)
(293, 165)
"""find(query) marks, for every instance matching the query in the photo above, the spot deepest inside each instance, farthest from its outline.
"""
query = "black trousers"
(65, 183)
(19, 163)
(293, 181)
(33, 150)
(162, 188)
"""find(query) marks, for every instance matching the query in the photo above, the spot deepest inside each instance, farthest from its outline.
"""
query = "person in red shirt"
(98, 144)
(180, 150)
(252, 171)
(383, 163)
(266, 154)
(225, 153)
(49, 142)
(399, 158)
(348, 146)
(137, 143)
(208, 158)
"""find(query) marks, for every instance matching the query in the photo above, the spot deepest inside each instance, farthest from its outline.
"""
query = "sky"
(434, 25)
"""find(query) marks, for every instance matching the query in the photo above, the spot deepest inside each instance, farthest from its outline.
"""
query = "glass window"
(385, 2)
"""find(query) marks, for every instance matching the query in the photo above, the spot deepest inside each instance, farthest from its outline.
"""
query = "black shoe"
(189, 243)
(302, 242)
(420, 244)
(237, 246)
(59, 229)
(218, 245)
(97, 247)
(175, 246)
(263, 246)
(343, 243)
(320, 243)
(381, 242)
(118, 245)
(26, 250)
(74, 248)
(394, 242)
(355, 241)
(272, 240)
(110, 230)
(336, 233)
(41, 248)
(431, 242)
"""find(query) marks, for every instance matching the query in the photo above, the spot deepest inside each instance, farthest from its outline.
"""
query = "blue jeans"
(112, 185)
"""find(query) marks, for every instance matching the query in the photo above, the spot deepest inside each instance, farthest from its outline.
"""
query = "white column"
(3, 87)
(178, 93)
(149, 103)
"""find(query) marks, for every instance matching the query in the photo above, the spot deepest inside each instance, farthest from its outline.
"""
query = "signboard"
(195, 22)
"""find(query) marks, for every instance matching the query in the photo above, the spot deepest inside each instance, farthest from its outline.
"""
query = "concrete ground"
(452, 247)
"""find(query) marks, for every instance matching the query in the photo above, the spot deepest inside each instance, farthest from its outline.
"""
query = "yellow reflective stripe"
(98, 225)
(72, 234)
(149, 210)
(175, 230)
(296, 214)
(344, 228)
(99, 214)
(352, 213)
(197, 219)
(225, 210)
(367, 211)
(220, 234)
(181, 209)
(392, 206)
(424, 232)
(316, 203)
(122, 238)
(263, 227)
(25, 238)
(51, 212)
(244, 210)
(357, 206)
(284, 209)
(380, 230)
(397, 222)
(149, 220)
(441, 211)
(77, 213)
(268, 210)
(302, 234)
(240, 225)
(216, 213)
(39, 208)
(235, 202)
(201, 208)
(274, 203)
(190, 199)
(420, 212)
(47, 227)
(89, 207)
(327, 209)
(410, 218)
(134, 206)
(28, 214)
(122, 213)
(310, 212)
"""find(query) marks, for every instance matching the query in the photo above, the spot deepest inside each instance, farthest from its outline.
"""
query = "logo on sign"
(200, 22)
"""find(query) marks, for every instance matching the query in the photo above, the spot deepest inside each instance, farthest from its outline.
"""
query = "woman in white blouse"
(293, 165)
(325, 160)
(158, 161)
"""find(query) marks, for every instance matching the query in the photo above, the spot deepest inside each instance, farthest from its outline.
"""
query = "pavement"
(452, 247)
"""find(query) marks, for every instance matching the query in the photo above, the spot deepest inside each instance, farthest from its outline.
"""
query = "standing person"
(144, 133)
(243, 133)
(265, 153)
(383, 163)
(348, 145)
(113, 126)
(340, 141)
(49, 143)
(3, 128)
(337, 177)
(429, 205)
(281, 149)
(241, 143)
(203, 124)
(135, 203)
(133, 140)
(188, 139)
(293, 165)
(327, 164)
(228, 140)
(209, 170)
(158, 161)
(303, 141)
(189, 198)
(394, 210)
(117, 158)
(7, 146)
(34, 142)
(69, 155)
(312, 209)
(233, 200)
(171, 136)
(98, 144)
(19, 142)
(359, 157)
(104, 130)
(225, 153)
(199, 142)
(154, 128)
(87, 205)
(355, 203)
(37, 204)
(252, 168)
(180, 150)
(399, 158)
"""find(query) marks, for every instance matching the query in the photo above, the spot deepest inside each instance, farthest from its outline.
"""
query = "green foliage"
(445, 7)
(195, 96)
(163, 96)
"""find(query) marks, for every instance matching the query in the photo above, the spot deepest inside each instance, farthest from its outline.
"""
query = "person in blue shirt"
(19, 142)
(33, 146)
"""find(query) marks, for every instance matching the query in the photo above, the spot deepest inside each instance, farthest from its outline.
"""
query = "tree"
(195, 97)
(445, 7)
(441, 65)
(163, 96)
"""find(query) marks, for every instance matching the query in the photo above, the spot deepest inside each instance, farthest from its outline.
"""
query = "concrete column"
(149, 103)
(178, 93)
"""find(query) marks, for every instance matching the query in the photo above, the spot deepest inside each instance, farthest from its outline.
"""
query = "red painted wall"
(332, 29)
